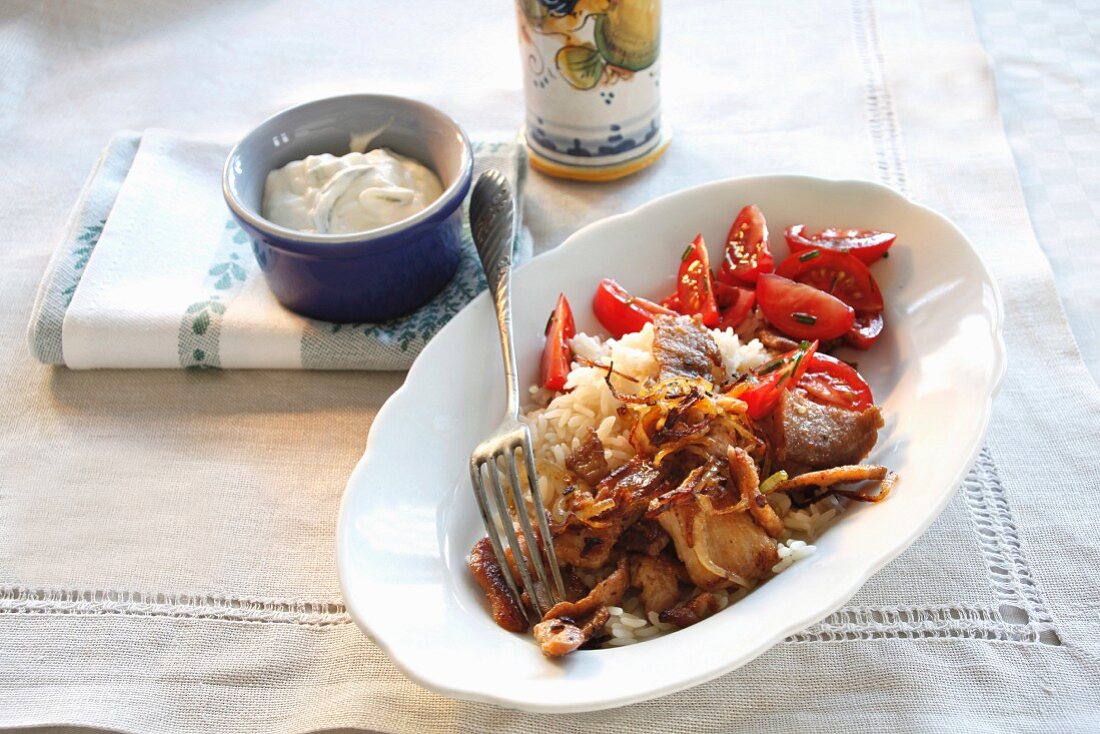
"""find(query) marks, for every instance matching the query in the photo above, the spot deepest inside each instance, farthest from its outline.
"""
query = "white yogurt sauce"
(356, 192)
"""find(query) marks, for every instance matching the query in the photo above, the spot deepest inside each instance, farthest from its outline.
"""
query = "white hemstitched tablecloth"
(166, 549)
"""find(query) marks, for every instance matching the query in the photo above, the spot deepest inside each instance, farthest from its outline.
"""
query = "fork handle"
(502, 298)
(494, 247)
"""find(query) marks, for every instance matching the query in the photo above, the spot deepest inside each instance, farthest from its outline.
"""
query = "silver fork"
(492, 223)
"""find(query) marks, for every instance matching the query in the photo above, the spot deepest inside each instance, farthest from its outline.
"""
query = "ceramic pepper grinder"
(592, 86)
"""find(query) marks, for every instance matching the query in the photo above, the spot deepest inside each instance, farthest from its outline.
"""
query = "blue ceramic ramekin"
(365, 277)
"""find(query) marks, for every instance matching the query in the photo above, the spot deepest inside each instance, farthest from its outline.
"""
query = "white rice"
(630, 623)
(560, 421)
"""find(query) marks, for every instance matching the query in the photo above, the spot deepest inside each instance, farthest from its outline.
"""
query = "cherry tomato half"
(866, 244)
(621, 313)
(866, 331)
(556, 354)
(739, 307)
(775, 377)
(802, 311)
(694, 289)
(747, 254)
(838, 274)
(831, 382)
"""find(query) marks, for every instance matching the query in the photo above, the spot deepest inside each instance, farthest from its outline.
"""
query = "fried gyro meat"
(809, 435)
(658, 579)
(855, 473)
(719, 550)
(587, 540)
(744, 475)
(487, 572)
(561, 636)
(684, 347)
(645, 537)
(569, 624)
(695, 609)
(712, 531)
(587, 461)
(587, 547)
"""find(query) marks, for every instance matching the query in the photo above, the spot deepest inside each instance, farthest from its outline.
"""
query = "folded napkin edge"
(43, 332)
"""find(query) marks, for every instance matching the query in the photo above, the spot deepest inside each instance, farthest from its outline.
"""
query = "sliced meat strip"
(587, 461)
(630, 487)
(775, 342)
(557, 637)
(743, 474)
(845, 475)
(483, 564)
(684, 347)
(700, 479)
(695, 609)
(568, 625)
(574, 587)
(809, 435)
(719, 550)
(644, 537)
(658, 579)
(588, 548)
(607, 592)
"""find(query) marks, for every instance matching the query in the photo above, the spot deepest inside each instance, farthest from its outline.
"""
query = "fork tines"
(544, 588)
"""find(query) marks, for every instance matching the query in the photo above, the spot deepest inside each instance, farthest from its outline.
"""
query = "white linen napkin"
(153, 273)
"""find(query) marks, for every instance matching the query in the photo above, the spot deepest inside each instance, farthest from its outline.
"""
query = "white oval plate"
(408, 517)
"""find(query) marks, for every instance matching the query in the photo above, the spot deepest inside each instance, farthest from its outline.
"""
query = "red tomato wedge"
(775, 377)
(556, 354)
(866, 244)
(621, 313)
(747, 254)
(802, 311)
(866, 331)
(838, 274)
(831, 382)
(694, 289)
(740, 305)
(725, 294)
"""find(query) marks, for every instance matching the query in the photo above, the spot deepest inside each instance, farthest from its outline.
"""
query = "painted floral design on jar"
(592, 85)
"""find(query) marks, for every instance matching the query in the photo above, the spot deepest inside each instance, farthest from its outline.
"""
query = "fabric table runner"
(166, 538)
